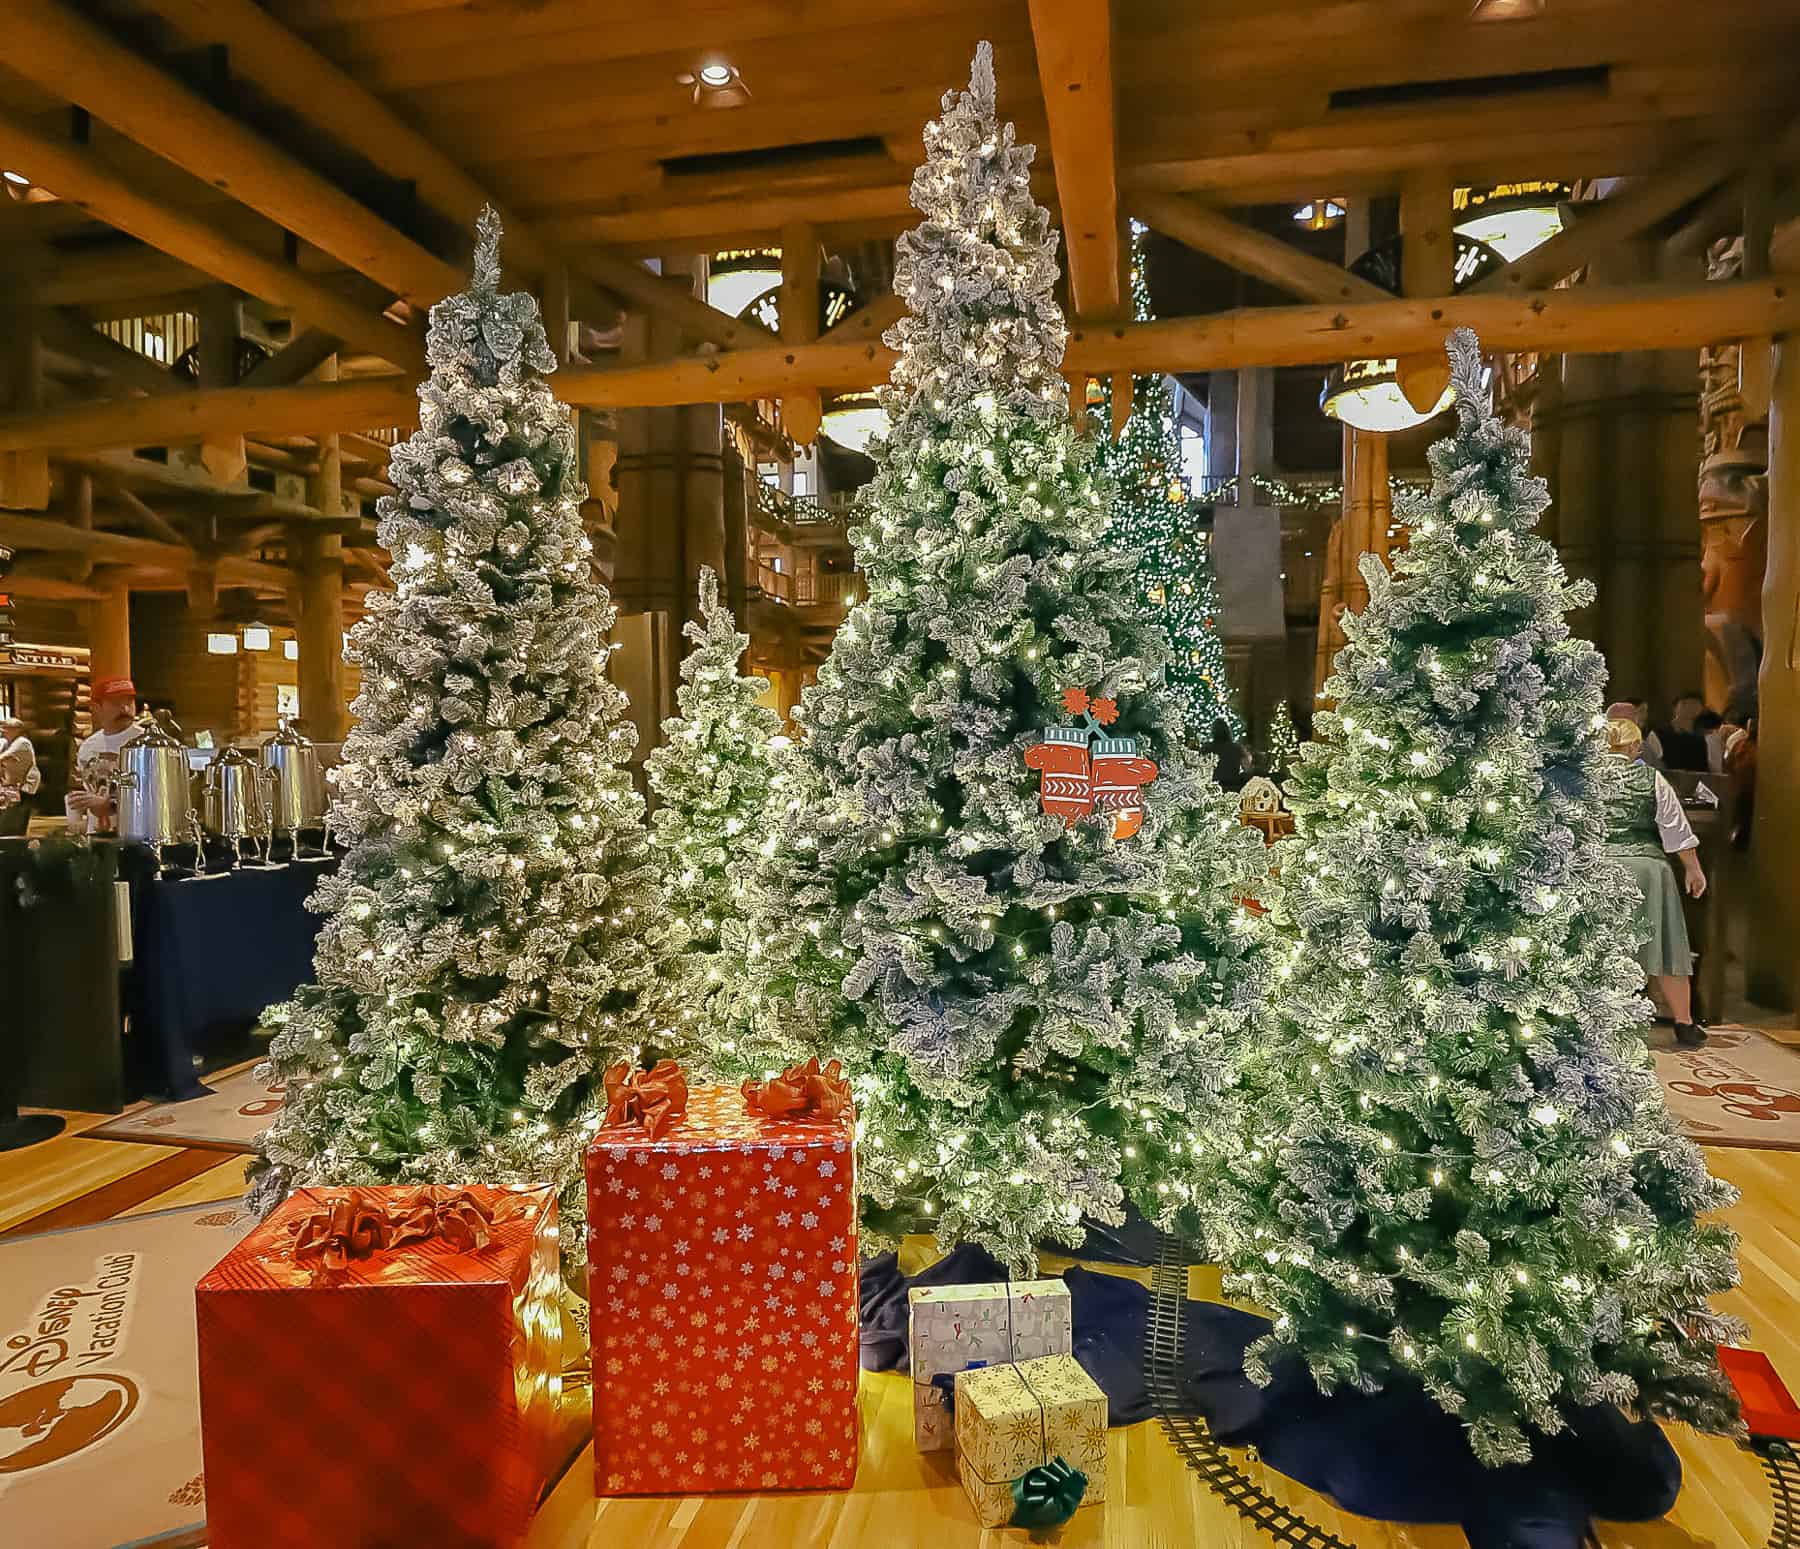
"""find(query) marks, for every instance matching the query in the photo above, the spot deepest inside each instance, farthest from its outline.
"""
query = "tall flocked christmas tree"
(497, 918)
(1154, 512)
(1454, 1160)
(712, 778)
(1030, 1012)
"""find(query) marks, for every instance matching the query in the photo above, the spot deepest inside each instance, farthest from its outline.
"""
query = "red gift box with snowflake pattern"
(723, 1291)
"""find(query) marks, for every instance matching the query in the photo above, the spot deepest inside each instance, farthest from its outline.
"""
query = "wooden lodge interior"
(223, 222)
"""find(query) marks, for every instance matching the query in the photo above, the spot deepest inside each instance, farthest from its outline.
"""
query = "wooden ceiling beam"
(144, 516)
(73, 336)
(358, 403)
(868, 322)
(75, 173)
(1584, 320)
(98, 279)
(1252, 252)
(1075, 70)
(66, 54)
(1624, 215)
(295, 361)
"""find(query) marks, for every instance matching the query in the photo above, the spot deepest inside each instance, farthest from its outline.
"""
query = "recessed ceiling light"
(17, 178)
(1505, 10)
(716, 84)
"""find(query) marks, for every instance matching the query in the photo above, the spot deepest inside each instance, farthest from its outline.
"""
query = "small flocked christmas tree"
(497, 919)
(1155, 513)
(711, 778)
(1284, 741)
(1031, 1012)
(1454, 1160)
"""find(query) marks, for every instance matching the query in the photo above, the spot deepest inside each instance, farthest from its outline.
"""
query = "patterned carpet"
(238, 1110)
(1742, 1089)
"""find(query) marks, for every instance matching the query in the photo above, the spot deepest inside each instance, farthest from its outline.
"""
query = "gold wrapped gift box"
(1012, 1418)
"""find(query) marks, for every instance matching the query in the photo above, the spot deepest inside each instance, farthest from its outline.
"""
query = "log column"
(802, 408)
(221, 454)
(109, 634)
(319, 597)
(1772, 963)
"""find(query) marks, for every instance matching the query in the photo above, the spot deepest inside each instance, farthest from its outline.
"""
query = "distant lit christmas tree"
(711, 778)
(1154, 512)
(1284, 741)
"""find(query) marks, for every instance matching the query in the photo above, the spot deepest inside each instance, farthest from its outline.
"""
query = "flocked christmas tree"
(496, 920)
(1154, 512)
(711, 778)
(1031, 1012)
(1284, 741)
(1454, 1161)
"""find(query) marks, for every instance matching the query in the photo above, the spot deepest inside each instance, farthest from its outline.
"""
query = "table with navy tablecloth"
(211, 953)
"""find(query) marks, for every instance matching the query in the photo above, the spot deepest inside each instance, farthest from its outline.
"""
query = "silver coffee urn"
(237, 795)
(152, 794)
(297, 797)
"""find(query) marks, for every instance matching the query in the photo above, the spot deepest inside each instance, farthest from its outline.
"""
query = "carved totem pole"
(1733, 504)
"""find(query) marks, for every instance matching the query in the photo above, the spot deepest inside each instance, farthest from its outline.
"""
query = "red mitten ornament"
(1065, 791)
(1120, 774)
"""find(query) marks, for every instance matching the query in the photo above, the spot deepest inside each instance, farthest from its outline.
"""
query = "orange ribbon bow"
(801, 1092)
(652, 1099)
(359, 1225)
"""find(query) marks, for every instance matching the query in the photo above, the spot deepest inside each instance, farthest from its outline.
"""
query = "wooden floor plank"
(901, 1499)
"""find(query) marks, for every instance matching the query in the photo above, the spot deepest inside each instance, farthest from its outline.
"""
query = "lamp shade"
(1368, 395)
(853, 419)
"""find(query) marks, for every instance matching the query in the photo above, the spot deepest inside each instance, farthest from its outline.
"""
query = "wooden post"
(24, 474)
(81, 516)
(801, 409)
(109, 634)
(1772, 965)
(319, 616)
(221, 454)
(1361, 529)
(1122, 385)
(556, 311)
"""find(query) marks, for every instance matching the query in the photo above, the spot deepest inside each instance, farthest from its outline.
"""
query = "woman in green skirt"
(1645, 824)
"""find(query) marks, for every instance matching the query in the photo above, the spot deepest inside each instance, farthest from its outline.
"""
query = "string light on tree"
(1482, 1179)
(1028, 1032)
(494, 930)
(1156, 516)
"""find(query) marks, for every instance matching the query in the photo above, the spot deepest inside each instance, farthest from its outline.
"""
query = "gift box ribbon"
(360, 1224)
(651, 1099)
(1048, 1494)
(801, 1092)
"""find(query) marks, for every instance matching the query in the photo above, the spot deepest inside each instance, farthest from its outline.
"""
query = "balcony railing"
(807, 589)
(778, 506)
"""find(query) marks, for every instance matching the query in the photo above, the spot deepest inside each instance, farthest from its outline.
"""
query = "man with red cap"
(113, 705)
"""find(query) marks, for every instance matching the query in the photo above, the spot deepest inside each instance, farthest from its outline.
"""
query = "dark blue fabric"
(211, 953)
(1394, 1455)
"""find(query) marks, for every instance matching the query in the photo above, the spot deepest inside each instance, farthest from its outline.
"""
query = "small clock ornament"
(1083, 769)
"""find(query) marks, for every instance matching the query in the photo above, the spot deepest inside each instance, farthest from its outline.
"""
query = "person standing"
(1682, 746)
(20, 777)
(113, 705)
(1645, 823)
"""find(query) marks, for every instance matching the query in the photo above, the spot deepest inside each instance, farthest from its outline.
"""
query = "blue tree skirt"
(1394, 1456)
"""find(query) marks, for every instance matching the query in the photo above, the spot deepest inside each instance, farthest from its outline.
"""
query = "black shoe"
(1690, 1035)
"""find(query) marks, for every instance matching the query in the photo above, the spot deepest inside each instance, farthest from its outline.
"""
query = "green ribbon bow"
(1048, 1494)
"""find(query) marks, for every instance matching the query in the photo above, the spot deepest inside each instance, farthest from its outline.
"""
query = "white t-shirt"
(94, 747)
(19, 766)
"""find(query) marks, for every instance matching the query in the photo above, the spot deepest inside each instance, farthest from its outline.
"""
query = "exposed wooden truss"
(1250, 251)
(1075, 70)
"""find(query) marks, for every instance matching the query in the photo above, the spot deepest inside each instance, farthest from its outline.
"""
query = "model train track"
(1188, 1433)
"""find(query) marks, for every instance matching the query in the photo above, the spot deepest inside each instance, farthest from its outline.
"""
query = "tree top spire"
(487, 250)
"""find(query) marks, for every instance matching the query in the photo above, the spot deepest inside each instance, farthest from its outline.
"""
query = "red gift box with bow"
(381, 1366)
(723, 1287)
